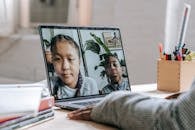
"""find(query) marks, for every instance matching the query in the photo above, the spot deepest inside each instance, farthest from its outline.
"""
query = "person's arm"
(125, 110)
(131, 110)
(134, 111)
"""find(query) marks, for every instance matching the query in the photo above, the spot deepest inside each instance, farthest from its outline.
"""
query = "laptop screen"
(83, 61)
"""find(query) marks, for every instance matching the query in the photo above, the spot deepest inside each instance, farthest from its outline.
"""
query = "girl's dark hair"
(61, 38)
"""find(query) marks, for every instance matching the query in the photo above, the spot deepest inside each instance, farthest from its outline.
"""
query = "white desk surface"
(61, 122)
(150, 89)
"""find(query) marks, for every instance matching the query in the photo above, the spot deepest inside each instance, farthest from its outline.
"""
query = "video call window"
(95, 46)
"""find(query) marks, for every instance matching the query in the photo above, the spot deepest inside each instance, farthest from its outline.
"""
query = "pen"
(183, 28)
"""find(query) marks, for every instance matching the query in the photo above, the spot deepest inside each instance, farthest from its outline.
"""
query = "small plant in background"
(95, 46)
(47, 44)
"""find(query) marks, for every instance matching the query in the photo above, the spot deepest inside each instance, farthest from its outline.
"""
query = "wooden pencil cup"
(174, 76)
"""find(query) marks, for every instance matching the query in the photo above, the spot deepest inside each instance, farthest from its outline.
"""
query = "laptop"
(76, 74)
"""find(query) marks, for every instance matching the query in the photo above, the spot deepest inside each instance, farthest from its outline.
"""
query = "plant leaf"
(102, 74)
(102, 63)
(122, 62)
(92, 46)
(99, 41)
(46, 42)
(96, 67)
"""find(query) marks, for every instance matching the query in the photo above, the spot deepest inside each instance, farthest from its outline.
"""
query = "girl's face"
(66, 63)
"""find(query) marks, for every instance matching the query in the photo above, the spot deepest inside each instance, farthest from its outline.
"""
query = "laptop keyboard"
(87, 103)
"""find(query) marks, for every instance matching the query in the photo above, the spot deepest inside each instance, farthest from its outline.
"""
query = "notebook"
(83, 64)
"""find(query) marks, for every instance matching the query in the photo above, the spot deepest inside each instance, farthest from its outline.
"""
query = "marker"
(179, 57)
(168, 56)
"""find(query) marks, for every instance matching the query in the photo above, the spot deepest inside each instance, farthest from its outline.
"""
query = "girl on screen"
(69, 81)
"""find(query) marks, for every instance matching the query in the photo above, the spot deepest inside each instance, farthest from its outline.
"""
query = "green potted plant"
(95, 46)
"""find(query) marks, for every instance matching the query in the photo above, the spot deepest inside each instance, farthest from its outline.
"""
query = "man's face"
(114, 70)
(66, 63)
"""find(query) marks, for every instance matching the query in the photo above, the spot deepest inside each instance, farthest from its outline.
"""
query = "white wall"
(142, 26)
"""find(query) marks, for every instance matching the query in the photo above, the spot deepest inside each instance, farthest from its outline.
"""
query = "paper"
(18, 100)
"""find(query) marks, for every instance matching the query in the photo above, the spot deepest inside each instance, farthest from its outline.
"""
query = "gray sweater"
(134, 111)
(89, 87)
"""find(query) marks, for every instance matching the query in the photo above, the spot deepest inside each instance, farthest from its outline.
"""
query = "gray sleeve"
(128, 110)
(185, 109)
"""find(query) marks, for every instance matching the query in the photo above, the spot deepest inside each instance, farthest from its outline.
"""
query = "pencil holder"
(174, 76)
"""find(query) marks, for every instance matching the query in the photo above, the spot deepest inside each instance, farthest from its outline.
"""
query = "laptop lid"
(83, 62)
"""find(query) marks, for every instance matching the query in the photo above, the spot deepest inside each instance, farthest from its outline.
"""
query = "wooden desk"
(61, 122)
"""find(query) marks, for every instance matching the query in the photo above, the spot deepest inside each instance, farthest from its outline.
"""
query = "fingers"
(80, 114)
(80, 110)
(83, 115)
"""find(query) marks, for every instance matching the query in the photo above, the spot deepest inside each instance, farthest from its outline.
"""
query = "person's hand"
(174, 96)
(81, 114)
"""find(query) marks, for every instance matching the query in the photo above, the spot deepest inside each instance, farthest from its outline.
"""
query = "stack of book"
(45, 113)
